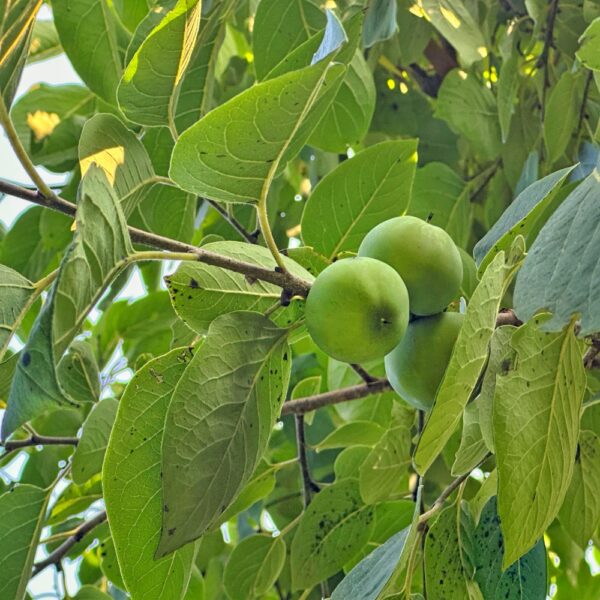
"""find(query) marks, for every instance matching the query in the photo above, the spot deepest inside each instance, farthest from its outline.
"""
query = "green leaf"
(508, 86)
(470, 110)
(16, 295)
(580, 512)
(34, 244)
(384, 473)
(439, 196)
(108, 144)
(371, 575)
(219, 422)
(75, 499)
(445, 574)
(18, 17)
(380, 22)
(132, 481)
(560, 118)
(228, 156)
(89, 455)
(78, 373)
(259, 487)
(536, 423)
(90, 34)
(500, 350)
(201, 292)
(165, 210)
(254, 566)
(520, 217)
(362, 192)
(281, 27)
(132, 12)
(100, 246)
(44, 42)
(589, 50)
(472, 445)
(334, 527)
(148, 90)
(88, 592)
(468, 357)
(347, 120)
(49, 120)
(561, 273)
(525, 579)
(23, 509)
(357, 433)
(196, 90)
(455, 22)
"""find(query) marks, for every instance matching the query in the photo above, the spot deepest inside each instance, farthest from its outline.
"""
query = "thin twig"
(309, 486)
(545, 55)
(364, 374)
(586, 92)
(294, 286)
(439, 503)
(56, 556)
(251, 238)
(39, 440)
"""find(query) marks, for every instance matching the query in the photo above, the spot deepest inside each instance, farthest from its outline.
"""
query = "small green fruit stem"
(21, 153)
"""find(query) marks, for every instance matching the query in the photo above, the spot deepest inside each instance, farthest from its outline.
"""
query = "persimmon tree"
(196, 442)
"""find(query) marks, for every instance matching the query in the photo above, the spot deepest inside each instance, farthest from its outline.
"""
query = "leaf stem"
(265, 227)
(21, 153)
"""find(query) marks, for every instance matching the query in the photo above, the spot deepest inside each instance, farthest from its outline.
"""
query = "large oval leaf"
(132, 481)
(362, 192)
(219, 422)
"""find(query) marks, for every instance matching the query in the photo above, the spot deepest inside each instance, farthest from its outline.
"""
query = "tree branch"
(545, 55)
(439, 503)
(354, 392)
(294, 286)
(55, 557)
(251, 238)
(308, 485)
(39, 440)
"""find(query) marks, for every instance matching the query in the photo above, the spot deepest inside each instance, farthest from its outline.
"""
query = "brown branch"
(508, 317)
(375, 386)
(39, 440)
(308, 485)
(55, 557)
(251, 238)
(586, 92)
(294, 286)
(439, 503)
(364, 374)
(545, 55)
(354, 392)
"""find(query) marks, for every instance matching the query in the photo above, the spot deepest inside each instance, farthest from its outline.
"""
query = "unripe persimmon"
(357, 309)
(424, 255)
(416, 366)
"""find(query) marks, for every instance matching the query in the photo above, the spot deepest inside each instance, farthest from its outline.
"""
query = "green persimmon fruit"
(424, 255)
(357, 309)
(416, 366)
